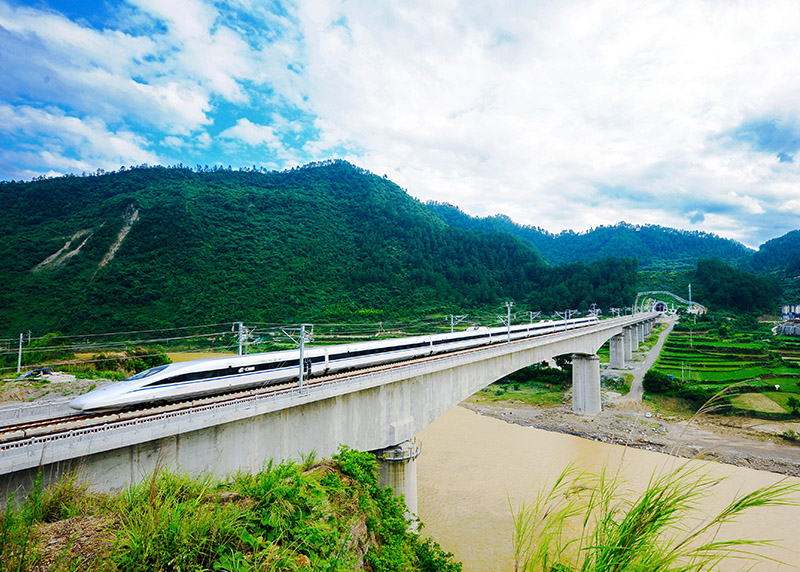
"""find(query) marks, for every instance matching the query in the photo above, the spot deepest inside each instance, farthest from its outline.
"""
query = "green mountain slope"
(780, 257)
(151, 247)
(655, 247)
(160, 247)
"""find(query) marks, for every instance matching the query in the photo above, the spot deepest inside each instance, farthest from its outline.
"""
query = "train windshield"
(146, 373)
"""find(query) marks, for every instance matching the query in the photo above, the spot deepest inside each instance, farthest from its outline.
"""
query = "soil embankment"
(736, 441)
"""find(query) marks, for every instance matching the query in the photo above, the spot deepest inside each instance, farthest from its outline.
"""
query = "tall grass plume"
(591, 522)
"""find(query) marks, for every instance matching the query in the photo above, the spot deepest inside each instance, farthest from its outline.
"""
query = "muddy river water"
(472, 465)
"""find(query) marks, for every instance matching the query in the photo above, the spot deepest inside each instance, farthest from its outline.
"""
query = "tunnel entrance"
(660, 306)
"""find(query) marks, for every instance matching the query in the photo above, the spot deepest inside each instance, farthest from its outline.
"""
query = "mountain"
(155, 247)
(655, 247)
(780, 257)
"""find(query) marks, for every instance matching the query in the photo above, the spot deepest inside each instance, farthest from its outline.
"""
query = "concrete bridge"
(377, 411)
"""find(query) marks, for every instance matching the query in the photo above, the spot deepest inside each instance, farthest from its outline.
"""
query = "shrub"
(657, 382)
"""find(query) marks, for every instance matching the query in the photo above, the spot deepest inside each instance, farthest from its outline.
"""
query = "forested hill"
(655, 247)
(153, 246)
(781, 258)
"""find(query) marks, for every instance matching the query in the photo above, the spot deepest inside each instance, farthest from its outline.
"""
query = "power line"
(128, 332)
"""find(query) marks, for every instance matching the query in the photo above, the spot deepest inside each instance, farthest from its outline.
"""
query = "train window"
(459, 339)
(147, 373)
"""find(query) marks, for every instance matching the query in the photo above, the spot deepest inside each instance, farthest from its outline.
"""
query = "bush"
(657, 382)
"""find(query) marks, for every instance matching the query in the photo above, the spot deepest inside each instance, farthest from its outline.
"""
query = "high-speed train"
(186, 380)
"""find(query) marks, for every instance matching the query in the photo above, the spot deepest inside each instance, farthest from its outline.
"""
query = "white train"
(197, 378)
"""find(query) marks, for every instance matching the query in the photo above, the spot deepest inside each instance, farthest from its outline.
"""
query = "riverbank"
(287, 516)
(735, 441)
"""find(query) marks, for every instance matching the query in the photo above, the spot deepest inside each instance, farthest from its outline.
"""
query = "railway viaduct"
(378, 411)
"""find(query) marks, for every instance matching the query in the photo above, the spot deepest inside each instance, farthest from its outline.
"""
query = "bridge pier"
(397, 467)
(586, 384)
(628, 346)
(640, 332)
(616, 350)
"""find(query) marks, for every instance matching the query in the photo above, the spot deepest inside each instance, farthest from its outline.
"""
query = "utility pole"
(566, 315)
(456, 320)
(241, 337)
(508, 318)
(302, 348)
(19, 357)
(533, 315)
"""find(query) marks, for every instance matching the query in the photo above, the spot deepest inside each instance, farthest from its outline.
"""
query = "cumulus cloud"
(533, 110)
(68, 143)
(560, 114)
(248, 132)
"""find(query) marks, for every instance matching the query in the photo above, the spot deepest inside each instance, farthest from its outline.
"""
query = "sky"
(559, 114)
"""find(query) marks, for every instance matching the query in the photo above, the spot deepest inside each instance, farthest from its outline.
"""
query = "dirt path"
(639, 368)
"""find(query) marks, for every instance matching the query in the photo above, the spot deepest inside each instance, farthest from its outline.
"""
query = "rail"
(259, 404)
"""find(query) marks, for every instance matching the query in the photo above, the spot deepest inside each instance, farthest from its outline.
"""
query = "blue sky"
(564, 115)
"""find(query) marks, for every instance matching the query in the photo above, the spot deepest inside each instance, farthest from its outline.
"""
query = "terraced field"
(761, 364)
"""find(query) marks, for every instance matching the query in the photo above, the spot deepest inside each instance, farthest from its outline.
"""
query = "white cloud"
(560, 114)
(70, 144)
(250, 133)
(536, 109)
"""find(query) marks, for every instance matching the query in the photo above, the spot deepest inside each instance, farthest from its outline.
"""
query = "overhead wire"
(278, 334)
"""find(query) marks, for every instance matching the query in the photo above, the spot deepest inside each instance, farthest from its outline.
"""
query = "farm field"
(761, 369)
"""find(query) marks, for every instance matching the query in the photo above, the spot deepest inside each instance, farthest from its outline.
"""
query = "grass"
(538, 385)
(594, 523)
(536, 395)
(760, 402)
(670, 407)
(330, 516)
(621, 384)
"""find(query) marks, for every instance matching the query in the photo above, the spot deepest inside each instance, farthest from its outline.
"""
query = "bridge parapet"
(367, 411)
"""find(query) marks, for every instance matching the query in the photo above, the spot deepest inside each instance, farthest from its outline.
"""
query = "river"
(472, 465)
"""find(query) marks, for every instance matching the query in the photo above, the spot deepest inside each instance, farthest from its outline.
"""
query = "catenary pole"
(302, 348)
(508, 319)
(19, 356)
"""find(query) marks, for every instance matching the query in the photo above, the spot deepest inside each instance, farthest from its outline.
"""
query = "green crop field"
(762, 370)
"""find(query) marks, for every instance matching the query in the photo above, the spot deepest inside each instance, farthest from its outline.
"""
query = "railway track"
(62, 425)
(16, 434)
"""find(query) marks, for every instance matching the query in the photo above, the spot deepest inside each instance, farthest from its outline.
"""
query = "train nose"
(80, 402)
(96, 399)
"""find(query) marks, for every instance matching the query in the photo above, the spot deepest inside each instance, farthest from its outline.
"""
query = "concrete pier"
(397, 466)
(586, 384)
(616, 350)
(628, 345)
